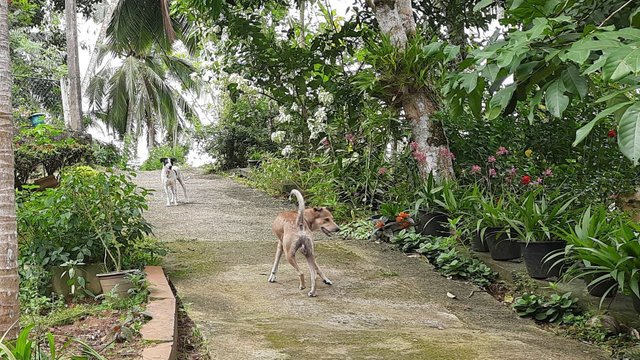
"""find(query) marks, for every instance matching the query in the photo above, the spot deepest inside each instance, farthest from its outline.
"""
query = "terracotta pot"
(46, 182)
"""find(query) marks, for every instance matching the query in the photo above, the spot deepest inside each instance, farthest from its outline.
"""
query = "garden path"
(383, 304)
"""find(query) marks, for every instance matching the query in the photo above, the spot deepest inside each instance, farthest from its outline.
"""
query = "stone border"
(160, 332)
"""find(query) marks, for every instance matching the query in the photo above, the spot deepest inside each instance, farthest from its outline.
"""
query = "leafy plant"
(544, 309)
(358, 230)
(408, 240)
(158, 152)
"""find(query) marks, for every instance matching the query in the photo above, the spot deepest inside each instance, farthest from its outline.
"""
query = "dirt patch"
(102, 332)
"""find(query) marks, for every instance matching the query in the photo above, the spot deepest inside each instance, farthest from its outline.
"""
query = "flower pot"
(501, 247)
(636, 302)
(88, 272)
(433, 224)
(535, 256)
(46, 182)
(601, 287)
(477, 244)
(254, 163)
(37, 119)
(117, 282)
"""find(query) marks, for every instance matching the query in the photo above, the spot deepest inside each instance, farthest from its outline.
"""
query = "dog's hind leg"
(324, 278)
(291, 257)
(274, 269)
(312, 272)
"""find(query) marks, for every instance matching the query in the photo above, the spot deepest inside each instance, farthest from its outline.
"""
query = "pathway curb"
(161, 330)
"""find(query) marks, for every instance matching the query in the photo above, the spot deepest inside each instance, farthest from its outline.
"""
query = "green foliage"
(91, 216)
(165, 151)
(453, 264)
(357, 230)
(50, 147)
(107, 155)
(544, 309)
(408, 240)
(559, 55)
(243, 129)
(144, 251)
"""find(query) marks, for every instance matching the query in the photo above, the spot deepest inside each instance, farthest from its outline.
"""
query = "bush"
(74, 221)
(153, 162)
(50, 147)
(107, 155)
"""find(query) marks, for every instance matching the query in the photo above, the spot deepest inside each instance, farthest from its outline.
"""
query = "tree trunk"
(395, 19)
(9, 305)
(151, 134)
(73, 90)
(93, 62)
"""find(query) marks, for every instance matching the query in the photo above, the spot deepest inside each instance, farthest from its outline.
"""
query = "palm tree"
(138, 92)
(9, 305)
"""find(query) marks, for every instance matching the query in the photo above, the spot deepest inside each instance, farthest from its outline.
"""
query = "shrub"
(89, 210)
(107, 155)
(158, 152)
(545, 309)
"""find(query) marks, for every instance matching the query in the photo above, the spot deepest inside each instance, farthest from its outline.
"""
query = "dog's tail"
(300, 218)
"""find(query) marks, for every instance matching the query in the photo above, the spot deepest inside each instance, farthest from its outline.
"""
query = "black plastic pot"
(477, 244)
(636, 302)
(535, 254)
(501, 247)
(598, 289)
(433, 224)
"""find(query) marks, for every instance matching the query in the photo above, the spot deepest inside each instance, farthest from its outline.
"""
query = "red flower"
(379, 224)
(525, 180)
(612, 133)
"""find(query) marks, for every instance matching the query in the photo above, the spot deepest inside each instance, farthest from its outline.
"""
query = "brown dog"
(294, 232)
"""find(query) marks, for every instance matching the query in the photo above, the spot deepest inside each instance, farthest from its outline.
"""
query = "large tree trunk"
(9, 305)
(73, 90)
(395, 19)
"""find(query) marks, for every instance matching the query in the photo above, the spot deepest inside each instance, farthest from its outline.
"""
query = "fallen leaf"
(508, 298)
(451, 296)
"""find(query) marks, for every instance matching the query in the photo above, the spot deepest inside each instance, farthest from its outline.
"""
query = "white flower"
(320, 115)
(325, 97)
(287, 150)
(294, 107)
(283, 117)
(277, 136)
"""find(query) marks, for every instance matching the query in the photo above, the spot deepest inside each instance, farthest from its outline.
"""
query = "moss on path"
(383, 305)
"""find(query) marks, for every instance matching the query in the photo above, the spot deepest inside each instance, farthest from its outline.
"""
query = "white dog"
(170, 174)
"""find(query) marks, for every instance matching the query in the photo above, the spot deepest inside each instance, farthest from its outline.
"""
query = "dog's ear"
(174, 160)
(318, 209)
(162, 160)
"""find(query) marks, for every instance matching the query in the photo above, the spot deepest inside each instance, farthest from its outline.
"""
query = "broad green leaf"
(533, 105)
(490, 72)
(582, 133)
(500, 100)
(629, 133)
(555, 99)
(451, 52)
(469, 81)
(574, 82)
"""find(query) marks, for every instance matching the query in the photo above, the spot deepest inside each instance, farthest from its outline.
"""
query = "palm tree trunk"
(93, 62)
(395, 19)
(73, 90)
(9, 305)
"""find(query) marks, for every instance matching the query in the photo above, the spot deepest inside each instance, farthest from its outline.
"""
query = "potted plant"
(431, 220)
(255, 159)
(535, 220)
(595, 223)
(495, 231)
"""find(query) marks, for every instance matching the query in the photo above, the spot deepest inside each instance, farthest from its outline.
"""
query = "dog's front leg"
(166, 193)
(322, 276)
(174, 192)
(274, 270)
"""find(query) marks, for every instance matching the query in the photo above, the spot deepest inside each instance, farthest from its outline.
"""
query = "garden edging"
(160, 332)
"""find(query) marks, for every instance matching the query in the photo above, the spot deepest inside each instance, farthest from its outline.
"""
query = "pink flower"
(475, 169)
(548, 173)
(413, 145)
(492, 172)
(325, 142)
(512, 171)
(502, 151)
(350, 138)
(447, 154)
(420, 156)
(491, 159)
(537, 182)
(382, 171)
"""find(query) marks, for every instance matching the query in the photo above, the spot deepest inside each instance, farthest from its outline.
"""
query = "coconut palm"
(9, 305)
(139, 92)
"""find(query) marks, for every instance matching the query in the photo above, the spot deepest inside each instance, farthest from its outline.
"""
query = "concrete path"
(383, 305)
